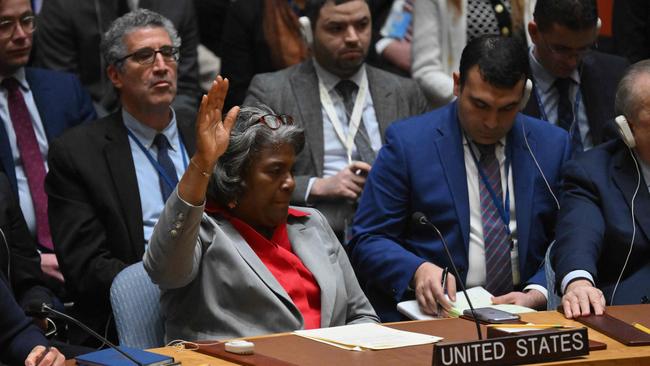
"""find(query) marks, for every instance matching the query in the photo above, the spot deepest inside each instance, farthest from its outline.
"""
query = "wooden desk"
(301, 351)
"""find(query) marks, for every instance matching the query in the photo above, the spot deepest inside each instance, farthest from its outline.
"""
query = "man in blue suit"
(35, 107)
(602, 252)
(441, 164)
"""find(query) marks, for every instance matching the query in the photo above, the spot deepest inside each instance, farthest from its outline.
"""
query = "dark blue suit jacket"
(595, 226)
(18, 336)
(421, 168)
(61, 102)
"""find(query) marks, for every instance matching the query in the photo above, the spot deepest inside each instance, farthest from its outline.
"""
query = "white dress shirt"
(147, 175)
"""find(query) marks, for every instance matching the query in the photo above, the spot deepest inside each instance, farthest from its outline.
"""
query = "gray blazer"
(294, 91)
(214, 286)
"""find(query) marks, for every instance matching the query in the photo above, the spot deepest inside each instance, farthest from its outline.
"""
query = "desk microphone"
(47, 310)
(420, 219)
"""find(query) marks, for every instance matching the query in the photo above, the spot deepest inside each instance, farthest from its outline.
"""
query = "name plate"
(514, 350)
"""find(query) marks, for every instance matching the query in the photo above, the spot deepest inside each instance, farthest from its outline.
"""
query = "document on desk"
(479, 296)
(357, 337)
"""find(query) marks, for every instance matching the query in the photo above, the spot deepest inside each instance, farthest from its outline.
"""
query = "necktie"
(495, 238)
(167, 166)
(346, 89)
(31, 157)
(565, 116)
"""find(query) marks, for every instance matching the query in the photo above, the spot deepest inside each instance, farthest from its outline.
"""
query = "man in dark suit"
(344, 105)
(602, 252)
(71, 31)
(478, 170)
(574, 85)
(35, 107)
(109, 179)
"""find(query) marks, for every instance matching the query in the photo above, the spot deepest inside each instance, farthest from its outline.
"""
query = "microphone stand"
(421, 219)
(55, 313)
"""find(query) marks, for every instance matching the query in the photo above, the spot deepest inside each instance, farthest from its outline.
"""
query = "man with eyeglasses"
(109, 180)
(36, 106)
(72, 29)
(574, 85)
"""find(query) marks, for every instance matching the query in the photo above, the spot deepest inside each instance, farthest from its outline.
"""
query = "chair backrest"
(136, 308)
(554, 299)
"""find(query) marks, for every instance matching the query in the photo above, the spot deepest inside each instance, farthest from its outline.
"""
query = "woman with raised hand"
(249, 264)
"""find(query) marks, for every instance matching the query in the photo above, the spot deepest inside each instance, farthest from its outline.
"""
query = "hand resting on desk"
(579, 297)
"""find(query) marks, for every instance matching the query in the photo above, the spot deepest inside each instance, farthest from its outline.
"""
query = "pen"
(528, 326)
(445, 272)
(641, 328)
(42, 356)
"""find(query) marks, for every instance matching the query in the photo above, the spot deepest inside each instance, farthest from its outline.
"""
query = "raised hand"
(212, 130)
(212, 137)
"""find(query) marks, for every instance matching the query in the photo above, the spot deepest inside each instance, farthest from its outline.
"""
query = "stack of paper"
(357, 337)
(479, 296)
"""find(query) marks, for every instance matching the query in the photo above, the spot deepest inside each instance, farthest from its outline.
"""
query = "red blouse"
(286, 267)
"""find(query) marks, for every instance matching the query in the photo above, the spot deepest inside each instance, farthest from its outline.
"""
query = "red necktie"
(31, 157)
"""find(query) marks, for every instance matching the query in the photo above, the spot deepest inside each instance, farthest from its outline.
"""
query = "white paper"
(479, 296)
(367, 336)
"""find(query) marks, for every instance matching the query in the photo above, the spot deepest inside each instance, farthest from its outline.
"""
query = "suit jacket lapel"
(386, 110)
(188, 134)
(523, 178)
(42, 93)
(306, 244)
(304, 84)
(625, 177)
(589, 90)
(120, 163)
(452, 157)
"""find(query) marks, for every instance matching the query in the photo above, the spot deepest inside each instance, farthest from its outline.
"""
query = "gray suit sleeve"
(174, 253)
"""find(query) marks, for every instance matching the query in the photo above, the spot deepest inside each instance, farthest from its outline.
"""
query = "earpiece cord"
(629, 253)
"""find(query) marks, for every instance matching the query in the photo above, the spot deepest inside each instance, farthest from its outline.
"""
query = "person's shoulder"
(542, 129)
(600, 156)
(86, 134)
(52, 77)
(605, 62)
(377, 74)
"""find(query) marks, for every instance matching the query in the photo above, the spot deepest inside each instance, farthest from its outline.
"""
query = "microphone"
(47, 310)
(420, 219)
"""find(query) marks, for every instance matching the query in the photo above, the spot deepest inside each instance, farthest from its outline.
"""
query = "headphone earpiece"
(528, 89)
(305, 30)
(625, 131)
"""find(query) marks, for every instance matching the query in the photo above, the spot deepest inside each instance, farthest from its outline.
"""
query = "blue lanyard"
(503, 208)
(155, 163)
(576, 105)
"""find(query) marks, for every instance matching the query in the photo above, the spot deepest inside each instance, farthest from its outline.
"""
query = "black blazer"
(599, 77)
(594, 228)
(20, 263)
(95, 211)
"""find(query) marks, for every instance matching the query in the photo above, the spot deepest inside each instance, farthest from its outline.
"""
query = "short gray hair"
(626, 94)
(247, 139)
(112, 45)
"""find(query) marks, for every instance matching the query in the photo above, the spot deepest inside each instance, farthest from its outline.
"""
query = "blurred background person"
(260, 36)
(442, 28)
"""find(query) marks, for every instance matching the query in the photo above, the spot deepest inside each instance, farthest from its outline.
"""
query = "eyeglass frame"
(175, 55)
(284, 119)
(567, 52)
(15, 21)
